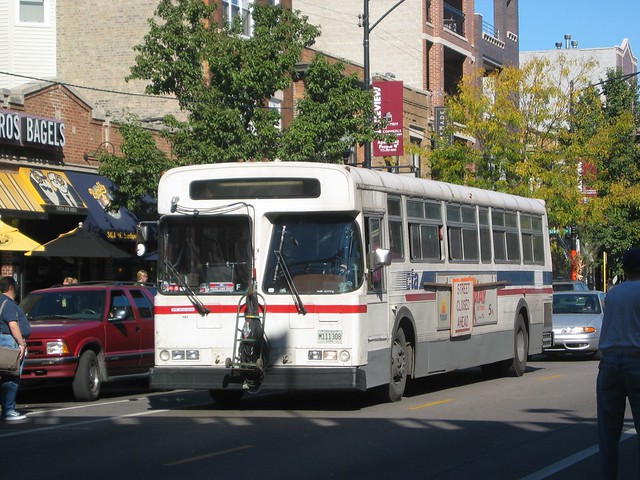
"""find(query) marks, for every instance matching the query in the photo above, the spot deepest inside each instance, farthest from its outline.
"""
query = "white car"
(577, 321)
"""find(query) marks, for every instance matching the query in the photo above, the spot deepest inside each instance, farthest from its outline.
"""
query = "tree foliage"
(223, 81)
(542, 130)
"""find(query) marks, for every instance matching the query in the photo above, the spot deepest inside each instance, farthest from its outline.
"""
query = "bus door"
(377, 303)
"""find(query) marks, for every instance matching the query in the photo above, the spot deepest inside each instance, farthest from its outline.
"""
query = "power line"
(84, 87)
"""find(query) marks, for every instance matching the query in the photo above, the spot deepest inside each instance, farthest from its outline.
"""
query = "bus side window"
(373, 239)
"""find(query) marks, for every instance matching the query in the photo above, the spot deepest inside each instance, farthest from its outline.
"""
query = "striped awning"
(16, 197)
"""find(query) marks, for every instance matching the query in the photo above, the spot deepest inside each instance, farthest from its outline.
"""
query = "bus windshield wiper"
(292, 287)
(191, 295)
(282, 265)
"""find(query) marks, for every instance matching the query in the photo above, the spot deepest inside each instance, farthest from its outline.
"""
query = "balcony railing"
(453, 19)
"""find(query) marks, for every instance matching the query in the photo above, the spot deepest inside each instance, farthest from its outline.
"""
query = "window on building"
(276, 104)
(31, 11)
(238, 10)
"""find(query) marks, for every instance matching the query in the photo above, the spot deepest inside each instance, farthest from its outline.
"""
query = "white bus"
(311, 276)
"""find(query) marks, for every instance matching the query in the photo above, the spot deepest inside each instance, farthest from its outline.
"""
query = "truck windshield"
(321, 254)
(209, 254)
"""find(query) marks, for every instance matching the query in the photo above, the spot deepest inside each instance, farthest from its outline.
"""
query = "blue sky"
(593, 23)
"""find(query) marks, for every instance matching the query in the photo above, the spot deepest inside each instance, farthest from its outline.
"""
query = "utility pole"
(364, 23)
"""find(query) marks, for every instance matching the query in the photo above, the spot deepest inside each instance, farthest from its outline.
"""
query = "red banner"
(388, 104)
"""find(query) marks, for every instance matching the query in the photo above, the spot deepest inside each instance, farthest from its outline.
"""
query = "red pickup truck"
(88, 333)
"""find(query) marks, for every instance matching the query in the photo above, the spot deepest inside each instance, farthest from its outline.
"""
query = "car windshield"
(576, 303)
(71, 303)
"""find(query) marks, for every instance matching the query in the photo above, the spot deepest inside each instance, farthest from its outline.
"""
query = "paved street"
(458, 425)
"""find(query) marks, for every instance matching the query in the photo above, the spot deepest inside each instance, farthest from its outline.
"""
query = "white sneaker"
(14, 415)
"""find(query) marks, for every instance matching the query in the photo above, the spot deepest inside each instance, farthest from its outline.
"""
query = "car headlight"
(57, 347)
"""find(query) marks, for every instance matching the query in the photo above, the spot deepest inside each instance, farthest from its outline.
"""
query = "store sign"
(388, 105)
(30, 131)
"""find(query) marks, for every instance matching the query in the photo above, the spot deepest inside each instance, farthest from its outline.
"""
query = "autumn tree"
(606, 120)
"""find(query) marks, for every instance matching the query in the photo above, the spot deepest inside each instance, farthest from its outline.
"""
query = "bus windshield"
(321, 254)
(209, 254)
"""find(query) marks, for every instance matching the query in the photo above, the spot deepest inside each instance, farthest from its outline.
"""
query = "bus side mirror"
(380, 257)
(146, 237)
(142, 235)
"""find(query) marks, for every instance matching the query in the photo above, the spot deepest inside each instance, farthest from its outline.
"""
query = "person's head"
(631, 264)
(8, 286)
(142, 276)
(69, 281)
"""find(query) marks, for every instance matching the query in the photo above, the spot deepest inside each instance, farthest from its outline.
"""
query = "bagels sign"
(30, 131)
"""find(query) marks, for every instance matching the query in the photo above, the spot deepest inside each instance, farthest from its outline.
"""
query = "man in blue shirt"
(14, 329)
(619, 369)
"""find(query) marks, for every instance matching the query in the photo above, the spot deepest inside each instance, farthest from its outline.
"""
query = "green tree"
(334, 114)
(223, 81)
(138, 167)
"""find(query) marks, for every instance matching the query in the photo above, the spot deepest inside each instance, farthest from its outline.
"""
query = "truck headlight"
(57, 347)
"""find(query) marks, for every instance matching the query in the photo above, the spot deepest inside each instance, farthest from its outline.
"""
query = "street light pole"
(367, 73)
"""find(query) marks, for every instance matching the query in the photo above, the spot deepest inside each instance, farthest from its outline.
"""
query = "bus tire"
(399, 367)
(520, 347)
(516, 365)
(86, 383)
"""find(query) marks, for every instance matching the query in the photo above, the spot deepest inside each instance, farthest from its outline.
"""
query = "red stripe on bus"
(324, 309)
(523, 291)
(418, 297)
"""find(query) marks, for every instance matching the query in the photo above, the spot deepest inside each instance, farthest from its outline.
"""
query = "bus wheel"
(520, 348)
(399, 364)
(226, 397)
(516, 365)
(86, 383)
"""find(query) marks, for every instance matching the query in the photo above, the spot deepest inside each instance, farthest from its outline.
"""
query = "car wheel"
(86, 383)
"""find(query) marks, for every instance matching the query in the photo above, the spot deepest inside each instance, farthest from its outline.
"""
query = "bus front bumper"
(275, 378)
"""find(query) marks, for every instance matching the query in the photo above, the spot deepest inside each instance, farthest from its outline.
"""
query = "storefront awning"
(57, 194)
(95, 191)
(17, 199)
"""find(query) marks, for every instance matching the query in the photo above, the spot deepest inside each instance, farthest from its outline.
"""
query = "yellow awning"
(13, 241)
(55, 192)
(17, 196)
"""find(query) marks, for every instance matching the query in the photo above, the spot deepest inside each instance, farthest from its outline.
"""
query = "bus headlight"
(344, 356)
(165, 355)
(314, 355)
(330, 355)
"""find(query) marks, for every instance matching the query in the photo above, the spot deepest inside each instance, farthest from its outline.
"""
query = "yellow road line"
(431, 404)
(549, 377)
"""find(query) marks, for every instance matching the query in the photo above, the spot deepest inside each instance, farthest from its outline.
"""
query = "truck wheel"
(86, 383)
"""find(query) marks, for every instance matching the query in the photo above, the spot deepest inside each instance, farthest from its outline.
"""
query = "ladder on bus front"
(250, 349)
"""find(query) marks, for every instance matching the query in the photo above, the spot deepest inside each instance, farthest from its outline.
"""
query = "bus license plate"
(329, 336)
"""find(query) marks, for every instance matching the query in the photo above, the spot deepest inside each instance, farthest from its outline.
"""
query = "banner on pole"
(388, 105)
